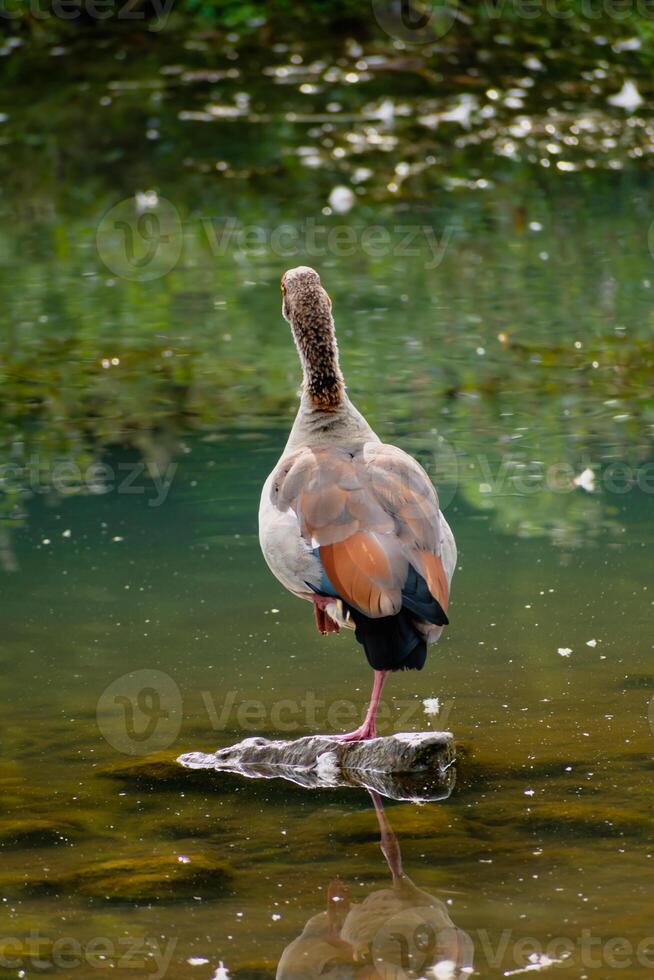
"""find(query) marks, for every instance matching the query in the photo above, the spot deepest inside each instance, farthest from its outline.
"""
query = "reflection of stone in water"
(395, 933)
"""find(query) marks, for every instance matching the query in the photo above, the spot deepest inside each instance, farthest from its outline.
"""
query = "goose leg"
(369, 728)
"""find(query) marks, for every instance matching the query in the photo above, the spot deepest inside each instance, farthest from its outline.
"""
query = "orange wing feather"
(436, 578)
(360, 571)
(370, 510)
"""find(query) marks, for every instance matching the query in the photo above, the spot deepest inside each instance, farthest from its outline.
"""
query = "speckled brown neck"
(313, 330)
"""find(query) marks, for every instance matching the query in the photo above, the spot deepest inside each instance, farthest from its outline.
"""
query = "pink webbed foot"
(368, 729)
(324, 622)
(361, 734)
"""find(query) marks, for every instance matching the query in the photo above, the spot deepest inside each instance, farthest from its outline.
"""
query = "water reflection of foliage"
(477, 105)
(511, 354)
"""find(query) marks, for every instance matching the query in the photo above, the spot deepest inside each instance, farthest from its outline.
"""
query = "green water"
(138, 422)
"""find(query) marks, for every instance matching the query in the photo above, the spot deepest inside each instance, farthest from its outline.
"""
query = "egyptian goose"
(347, 522)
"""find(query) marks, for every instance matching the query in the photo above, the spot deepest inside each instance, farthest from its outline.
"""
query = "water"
(546, 834)
(138, 422)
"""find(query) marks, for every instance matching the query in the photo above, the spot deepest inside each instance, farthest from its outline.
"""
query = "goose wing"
(370, 514)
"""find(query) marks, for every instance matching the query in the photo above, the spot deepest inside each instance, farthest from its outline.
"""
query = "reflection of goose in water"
(395, 933)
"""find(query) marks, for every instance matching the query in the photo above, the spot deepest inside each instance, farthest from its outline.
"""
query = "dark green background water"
(520, 359)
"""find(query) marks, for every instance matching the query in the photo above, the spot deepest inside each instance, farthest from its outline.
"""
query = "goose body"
(350, 523)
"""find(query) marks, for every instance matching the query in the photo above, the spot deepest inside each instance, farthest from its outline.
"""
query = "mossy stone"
(588, 819)
(158, 769)
(36, 832)
(142, 879)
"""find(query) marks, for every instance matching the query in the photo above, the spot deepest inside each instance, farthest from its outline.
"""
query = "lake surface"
(502, 333)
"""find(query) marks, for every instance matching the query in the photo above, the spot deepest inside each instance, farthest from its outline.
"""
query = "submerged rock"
(578, 818)
(412, 822)
(195, 827)
(254, 971)
(159, 770)
(414, 765)
(36, 832)
(140, 879)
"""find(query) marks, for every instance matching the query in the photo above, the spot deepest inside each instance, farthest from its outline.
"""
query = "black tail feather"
(390, 642)
(394, 642)
(418, 599)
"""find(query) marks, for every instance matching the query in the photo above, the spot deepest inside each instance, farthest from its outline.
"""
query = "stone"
(404, 766)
